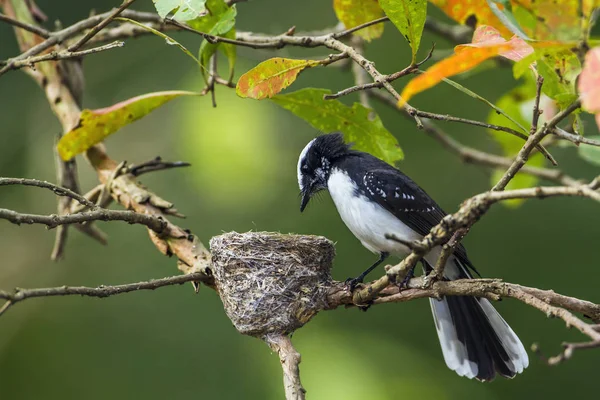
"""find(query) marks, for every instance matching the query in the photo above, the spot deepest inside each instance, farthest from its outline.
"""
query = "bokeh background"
(172, 343)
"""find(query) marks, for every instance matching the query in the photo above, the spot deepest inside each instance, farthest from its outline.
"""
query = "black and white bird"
(375, 199)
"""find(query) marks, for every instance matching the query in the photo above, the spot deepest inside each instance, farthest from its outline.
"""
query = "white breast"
(367, 220)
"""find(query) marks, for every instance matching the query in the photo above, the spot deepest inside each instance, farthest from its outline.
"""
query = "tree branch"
(157, 224)
(469, 213)
(100, 291)
(290, 360)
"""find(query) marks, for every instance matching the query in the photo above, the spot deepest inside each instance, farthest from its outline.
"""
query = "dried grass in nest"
(270, 282)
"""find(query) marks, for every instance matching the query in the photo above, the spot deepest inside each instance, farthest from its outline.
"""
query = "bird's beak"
(305, 199)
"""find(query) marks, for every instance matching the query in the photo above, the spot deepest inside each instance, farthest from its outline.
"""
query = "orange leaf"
(589, 81)
(473, 13)
(356, 12)
(485, 36)
(464, 60)
(270, 77)
(487, 43)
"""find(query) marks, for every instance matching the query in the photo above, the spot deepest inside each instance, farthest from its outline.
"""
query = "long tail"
(475, 340)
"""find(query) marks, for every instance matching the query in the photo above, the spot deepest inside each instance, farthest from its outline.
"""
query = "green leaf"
(357, 12)
(409, 18)
(359, 124)
(590, 153)
(219, 22)
(181, 10)
(270, 77)
(95, 125)
(560, 68)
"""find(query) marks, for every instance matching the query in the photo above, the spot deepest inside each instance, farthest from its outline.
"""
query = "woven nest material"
(270, 282)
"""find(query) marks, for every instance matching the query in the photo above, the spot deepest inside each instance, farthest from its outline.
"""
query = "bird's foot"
(404, 283)
(429, 280)
(352, 283)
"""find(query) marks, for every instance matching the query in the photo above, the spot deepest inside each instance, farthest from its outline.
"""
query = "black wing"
(398, 194)
(402, 197)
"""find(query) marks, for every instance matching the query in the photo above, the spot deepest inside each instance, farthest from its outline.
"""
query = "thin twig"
(58, 190)
(55, 56)
(536, 105)
(155, 165)
(62, 35)
(100, 26)
(532, 142)
(100, 291)
(338, 35)
(450, 118)
(389, 78)
(467, 154)
(157, 224)
(567, 353)
(447, 250)
(28, 27)
(577, 139)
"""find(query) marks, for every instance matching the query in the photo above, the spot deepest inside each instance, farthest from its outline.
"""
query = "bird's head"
(315, 162)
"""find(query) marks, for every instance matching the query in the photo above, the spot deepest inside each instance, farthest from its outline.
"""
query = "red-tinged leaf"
(473, 13)
(95, 125)
(589, 81)
(488, 35)
(357, 12)
(463, 60)
(270, 77)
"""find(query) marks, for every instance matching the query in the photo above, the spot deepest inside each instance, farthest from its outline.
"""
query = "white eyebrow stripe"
(302, 158)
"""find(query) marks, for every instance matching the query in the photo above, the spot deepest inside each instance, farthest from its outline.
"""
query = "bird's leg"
(352, 282)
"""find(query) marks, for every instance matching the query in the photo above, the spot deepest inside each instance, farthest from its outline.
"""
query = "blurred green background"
(172, 343)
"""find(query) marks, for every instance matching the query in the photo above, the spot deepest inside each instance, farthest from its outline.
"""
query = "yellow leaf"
(95, 125)
(357, 12)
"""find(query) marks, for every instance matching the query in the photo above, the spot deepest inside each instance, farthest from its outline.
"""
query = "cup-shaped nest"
(270, 282)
